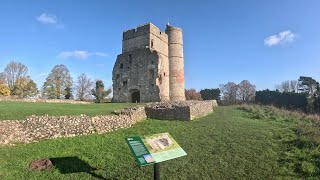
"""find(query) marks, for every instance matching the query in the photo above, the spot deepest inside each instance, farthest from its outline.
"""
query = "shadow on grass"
(67, 165)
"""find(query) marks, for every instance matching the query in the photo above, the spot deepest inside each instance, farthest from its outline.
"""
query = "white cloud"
(74, 54)
(77, 54)
(283, 37)
(102, 54)
(45, 18)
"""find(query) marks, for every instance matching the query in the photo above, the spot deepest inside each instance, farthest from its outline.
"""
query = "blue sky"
(265, 42)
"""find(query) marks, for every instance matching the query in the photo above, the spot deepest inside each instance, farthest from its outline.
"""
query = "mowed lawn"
(20, 110)
(226, 144)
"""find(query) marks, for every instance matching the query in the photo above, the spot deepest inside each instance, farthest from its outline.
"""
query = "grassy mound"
(300, 153)
(20, 110)
(231, 143)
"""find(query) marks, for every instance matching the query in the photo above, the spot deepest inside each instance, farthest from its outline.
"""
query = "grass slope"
(300, 152)
(227, 144)
(20, 110)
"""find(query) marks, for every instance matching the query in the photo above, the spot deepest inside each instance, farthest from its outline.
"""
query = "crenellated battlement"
(142, 30)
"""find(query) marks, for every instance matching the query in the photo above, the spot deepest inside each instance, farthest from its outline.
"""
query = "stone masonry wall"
(179, 110)
(200, 109)
(168, 111)
(123, 118)
(10, 131)
(36, 128)
(44, 100)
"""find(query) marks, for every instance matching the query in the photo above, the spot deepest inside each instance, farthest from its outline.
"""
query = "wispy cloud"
(45, 18)
(50, 19)
(80, 54)
(283, 37)
(102, 54)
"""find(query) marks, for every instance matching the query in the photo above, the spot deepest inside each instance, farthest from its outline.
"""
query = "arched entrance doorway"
(135, 96)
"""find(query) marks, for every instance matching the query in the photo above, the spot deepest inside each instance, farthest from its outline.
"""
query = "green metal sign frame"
(154, 148)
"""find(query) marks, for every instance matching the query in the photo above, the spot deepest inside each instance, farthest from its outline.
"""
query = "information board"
(154, 148)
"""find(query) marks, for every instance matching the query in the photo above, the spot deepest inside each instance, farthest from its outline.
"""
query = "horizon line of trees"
(15, 82)
(302, 94)
(203, 94)
(227, 94)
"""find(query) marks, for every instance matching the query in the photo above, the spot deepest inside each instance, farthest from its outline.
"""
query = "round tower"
(176, 63)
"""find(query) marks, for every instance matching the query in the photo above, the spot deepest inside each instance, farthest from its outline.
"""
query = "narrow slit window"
(152, 43)
(130, 59)
(121, 66)
(151, 76)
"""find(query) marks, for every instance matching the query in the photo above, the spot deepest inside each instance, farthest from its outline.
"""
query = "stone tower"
(142, 72)
(176, 63)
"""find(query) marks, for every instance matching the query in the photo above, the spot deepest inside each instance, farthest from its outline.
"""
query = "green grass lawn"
(227, 144)
(20, 110)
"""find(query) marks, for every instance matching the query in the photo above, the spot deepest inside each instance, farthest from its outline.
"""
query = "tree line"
(232, 93)
(204, 94)
(15, 82)
(302, 94)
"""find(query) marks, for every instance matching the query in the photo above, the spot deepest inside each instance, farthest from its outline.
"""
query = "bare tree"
(229, 92)
(246, 91)
(287, 86)
(12, 72)
(2, 78)
(293, 85)
(83, 87)
(192, 94)
(57, 83)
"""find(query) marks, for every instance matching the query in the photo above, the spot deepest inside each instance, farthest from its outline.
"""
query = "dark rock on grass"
(40, 165)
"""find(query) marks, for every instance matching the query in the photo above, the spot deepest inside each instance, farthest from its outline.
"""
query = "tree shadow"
(67, 165)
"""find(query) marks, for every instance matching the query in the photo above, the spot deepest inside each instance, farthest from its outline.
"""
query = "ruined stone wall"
(11, 131)
(45, 100)
(158, 40)
(135, 38)
(159, 43)
(179, 110)
(132, 44)
(124, 118)
(36, 128)
(200, 109)
(141, 74)
(162, 79)
(214, 103)
(142, 36)
(145, 66)
(168, 111)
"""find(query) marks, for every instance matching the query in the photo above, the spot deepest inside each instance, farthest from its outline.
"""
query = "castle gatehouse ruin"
(150, 67)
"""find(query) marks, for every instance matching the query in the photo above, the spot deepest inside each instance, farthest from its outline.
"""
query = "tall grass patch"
(300, 152)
